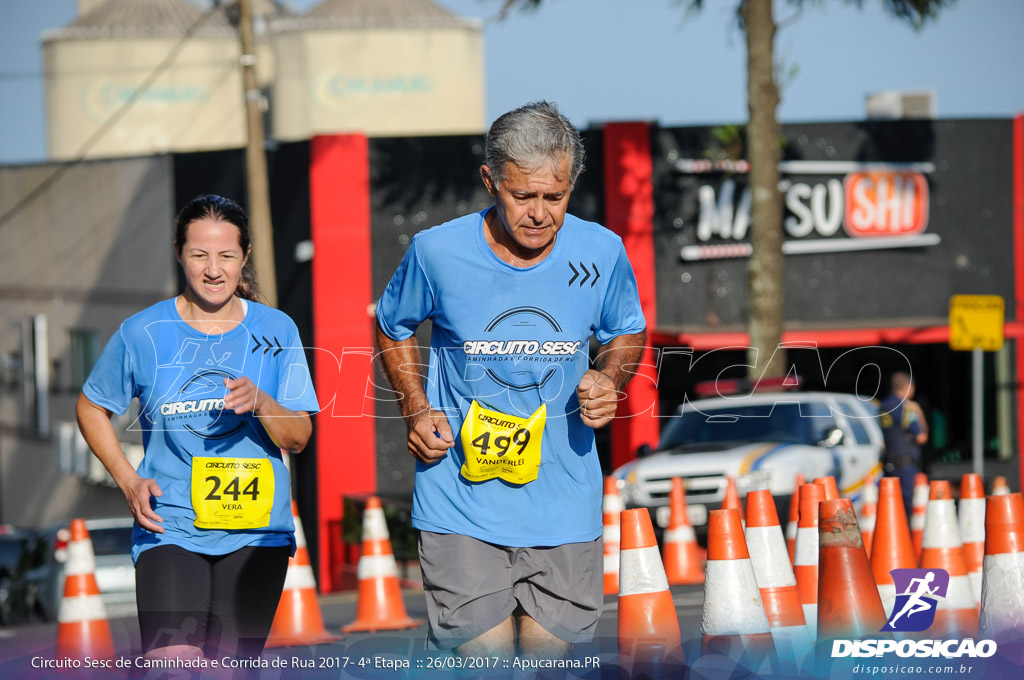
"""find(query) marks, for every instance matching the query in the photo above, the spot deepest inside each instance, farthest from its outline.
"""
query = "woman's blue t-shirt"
(177, 373)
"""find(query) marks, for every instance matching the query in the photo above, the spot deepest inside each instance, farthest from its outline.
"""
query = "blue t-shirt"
(512, 339)
(177, 373)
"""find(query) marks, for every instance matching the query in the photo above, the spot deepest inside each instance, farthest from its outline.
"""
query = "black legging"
(224, 604)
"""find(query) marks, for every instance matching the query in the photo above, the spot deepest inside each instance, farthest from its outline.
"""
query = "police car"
(761, 440)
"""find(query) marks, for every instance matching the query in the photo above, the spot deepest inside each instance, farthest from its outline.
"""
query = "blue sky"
(606, 60)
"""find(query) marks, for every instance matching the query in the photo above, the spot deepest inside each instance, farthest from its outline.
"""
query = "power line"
(113, 120)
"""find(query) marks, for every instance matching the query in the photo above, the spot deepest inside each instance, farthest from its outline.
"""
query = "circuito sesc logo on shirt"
(916, 593)
(199, 406)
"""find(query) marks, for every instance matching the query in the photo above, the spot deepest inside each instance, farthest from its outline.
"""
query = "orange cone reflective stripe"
(848, 602)
(794, 517)
(805, 563)
(956, 614)
(868, 513)
(1002, 616)
(380, 605)
(611, 508)
(971, 513)
(774, 575)
(648, 626)
(298, 620)
(1000, 487)
(82, 627)
(682, 563)
(734, 622)
(919, 508)
(891, 547)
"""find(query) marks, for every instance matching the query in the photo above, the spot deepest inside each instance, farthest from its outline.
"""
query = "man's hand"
(598, 399)
(430, 436)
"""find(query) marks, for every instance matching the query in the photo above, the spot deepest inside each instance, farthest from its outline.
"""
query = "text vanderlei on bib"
(500, 446)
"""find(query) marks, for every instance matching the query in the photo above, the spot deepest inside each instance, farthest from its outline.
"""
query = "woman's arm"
(289, 429)
(94, 422)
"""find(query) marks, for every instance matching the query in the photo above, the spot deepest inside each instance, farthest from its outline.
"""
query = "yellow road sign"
(976, 322)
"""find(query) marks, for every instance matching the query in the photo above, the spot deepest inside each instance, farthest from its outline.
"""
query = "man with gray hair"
(508, 484)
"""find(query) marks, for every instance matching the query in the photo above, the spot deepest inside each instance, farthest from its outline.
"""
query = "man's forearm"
(619, 358)
(401, 360)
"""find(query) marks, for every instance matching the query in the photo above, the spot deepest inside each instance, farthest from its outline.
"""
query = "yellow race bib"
(232, 493)
(500, 446)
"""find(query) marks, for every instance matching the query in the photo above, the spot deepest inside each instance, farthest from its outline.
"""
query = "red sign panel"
(885, 203)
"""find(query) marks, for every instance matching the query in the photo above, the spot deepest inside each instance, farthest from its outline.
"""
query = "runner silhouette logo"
(917, 590)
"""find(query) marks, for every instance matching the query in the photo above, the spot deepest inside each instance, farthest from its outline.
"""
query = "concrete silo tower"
(98, 62)
(381, 67)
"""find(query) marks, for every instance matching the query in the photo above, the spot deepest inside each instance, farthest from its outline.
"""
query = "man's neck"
(506, 248)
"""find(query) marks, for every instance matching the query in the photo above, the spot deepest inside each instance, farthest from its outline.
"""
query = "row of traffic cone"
(380, 605)
(83, 630)
(743, 569)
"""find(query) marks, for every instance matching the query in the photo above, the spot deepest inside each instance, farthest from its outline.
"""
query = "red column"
(339, 185)
(629, 212)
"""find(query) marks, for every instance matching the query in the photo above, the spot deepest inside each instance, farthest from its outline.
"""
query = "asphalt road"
(390, 655)
(400, 655)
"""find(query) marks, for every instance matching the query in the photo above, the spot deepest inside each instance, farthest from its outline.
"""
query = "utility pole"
(256, 163)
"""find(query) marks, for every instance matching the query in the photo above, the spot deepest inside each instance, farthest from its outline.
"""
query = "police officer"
(905, 431)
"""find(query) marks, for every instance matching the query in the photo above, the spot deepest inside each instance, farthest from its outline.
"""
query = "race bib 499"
(500, 446)
(232, 493)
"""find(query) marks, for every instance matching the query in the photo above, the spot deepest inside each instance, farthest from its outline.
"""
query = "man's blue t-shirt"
(513, 339)
(177, 373)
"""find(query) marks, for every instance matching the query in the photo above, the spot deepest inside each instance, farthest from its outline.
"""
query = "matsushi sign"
(864, 206)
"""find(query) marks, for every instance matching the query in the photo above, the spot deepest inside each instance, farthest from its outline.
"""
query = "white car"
(762, 440)
(115, 571)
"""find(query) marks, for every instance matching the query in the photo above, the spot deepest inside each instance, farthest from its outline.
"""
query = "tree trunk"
(766, 274)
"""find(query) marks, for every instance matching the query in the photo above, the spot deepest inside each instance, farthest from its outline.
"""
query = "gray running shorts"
(472, 586)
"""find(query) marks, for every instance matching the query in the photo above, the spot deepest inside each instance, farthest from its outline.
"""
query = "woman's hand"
(289, 429)
(138, 493)
(94, 420)
(243, 396)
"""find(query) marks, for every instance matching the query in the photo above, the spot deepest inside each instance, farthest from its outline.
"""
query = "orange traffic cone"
(919, 508)
(1002, 617)
(868, 513)
(971, 513)
(957, 613)
(848, 602)
(830, 487)
(732, 499)
(380, 604)
(682, 564)
(611, 508)
(648, 627)
(298, 620)
(1000, 487)
(805, 562)
(734, 622)
(794, 517)
(891, 547)
(82, 628)
(775, 579)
